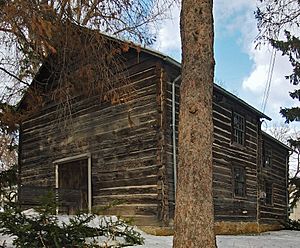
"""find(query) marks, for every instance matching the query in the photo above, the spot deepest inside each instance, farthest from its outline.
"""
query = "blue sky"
(232, 64)
(240, 68)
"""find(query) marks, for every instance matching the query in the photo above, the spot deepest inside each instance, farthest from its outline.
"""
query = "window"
(239, 182)
(267, 155)
(238, 124)
(269, 193)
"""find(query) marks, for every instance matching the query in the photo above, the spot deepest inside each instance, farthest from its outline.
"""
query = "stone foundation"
(158, 231)
(225, 227)
(221, 228)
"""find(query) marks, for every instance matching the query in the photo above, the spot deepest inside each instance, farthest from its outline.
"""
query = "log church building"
(124, 155)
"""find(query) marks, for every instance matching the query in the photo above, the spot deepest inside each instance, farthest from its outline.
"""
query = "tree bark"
(194, 217)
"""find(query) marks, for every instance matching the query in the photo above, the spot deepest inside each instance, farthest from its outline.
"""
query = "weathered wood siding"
(126, 142)
(172, 74)
(276, 175)
(131, 149)
(226, 155)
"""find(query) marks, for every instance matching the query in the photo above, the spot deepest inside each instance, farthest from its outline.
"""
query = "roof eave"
(277, 141)
(227, 93)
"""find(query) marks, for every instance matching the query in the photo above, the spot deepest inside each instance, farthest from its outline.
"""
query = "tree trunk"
(194, 217)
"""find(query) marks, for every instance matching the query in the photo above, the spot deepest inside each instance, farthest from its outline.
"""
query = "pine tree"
(278, 24)
(194, 218)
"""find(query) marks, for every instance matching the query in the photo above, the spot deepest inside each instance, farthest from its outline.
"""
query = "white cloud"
(238, 16)
(225, 8)
(254, 84)
(168, 38)
(168, 35)
(233, 17)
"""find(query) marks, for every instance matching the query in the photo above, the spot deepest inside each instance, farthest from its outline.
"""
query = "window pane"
(239, 181)
(269, 193)
(267, 155)
(238, 128)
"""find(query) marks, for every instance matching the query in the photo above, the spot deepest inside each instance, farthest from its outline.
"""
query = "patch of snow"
(31, 212)
(152, 241)
(276, 239)
(6, 241)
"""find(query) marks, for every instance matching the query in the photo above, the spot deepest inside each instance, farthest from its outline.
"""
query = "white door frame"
(74, 158)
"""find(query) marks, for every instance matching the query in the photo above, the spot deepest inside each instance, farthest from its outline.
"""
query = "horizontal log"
(127, 190)
(128, 182)
(126, 199)
(126, 209)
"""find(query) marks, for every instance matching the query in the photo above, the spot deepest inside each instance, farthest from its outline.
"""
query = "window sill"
(239, 146)
(239, 197)
(268, 205)
(267, 167)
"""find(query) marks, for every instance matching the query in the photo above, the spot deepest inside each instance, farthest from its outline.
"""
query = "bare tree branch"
(14, 76)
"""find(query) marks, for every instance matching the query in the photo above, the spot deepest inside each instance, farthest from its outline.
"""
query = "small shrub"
(43, 229)
(293, 225)
(8, 178)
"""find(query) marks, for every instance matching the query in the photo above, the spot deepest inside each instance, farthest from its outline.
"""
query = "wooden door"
(73, 185)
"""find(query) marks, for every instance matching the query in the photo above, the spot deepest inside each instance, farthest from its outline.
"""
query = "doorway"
(73, 183)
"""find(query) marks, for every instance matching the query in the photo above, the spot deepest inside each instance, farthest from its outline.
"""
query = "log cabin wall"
(230, 208)
(273, 171)
(234, 164)
(172, 74)
(227, 155)
(131, 148)
(126, 142)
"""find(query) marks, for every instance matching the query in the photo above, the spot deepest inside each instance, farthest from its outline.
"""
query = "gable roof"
(177, 64)
(219, 88)
(168, 60)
